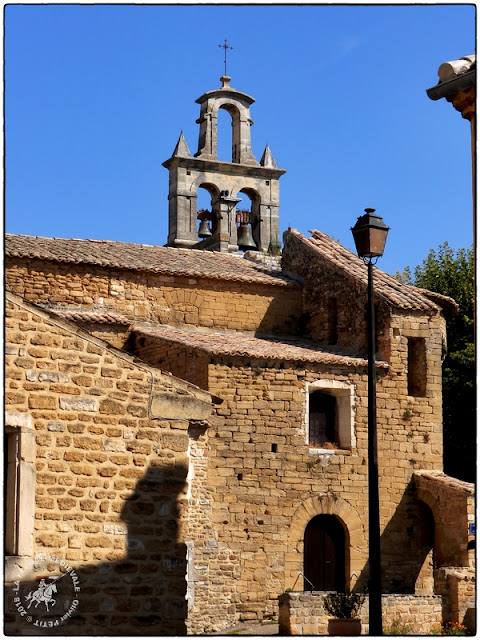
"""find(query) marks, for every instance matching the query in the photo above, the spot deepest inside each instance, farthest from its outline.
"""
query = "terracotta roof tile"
(441, 478)
(82, 315)
(390, 289)
(448, 304)
(142, 257)
(235, 344)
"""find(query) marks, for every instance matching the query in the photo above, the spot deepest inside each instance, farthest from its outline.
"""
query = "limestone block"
(169, 405)
(78, 404)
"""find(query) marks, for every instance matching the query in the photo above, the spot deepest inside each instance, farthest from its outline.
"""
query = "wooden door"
(324, 554)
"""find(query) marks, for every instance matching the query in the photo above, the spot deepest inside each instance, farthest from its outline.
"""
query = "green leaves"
(450, 274)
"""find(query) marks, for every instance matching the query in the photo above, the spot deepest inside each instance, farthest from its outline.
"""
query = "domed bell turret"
(204, 229)
(245, 238)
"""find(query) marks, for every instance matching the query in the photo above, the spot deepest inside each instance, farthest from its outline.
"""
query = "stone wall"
(170, 300)
(116, 335)
(114, 481)
(188, 364)
(304, 614)
(412, 438)
(212, 567)
(267, 484)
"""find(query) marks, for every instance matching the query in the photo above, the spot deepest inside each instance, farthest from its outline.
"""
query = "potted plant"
(344, 607)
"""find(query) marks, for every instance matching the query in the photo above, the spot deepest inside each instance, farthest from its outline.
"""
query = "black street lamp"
(370, 235)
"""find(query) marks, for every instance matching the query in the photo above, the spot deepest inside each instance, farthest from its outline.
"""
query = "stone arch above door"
(354, 532)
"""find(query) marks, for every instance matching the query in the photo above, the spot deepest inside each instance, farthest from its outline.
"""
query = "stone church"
(186, 425)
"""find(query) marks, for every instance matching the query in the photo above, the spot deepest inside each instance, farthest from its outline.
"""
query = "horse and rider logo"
(42, 594)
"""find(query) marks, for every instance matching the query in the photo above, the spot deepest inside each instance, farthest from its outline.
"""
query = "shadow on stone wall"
(142, 594)
(407, 541)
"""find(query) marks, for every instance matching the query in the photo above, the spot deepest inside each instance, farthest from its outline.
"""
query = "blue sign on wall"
(471, 528)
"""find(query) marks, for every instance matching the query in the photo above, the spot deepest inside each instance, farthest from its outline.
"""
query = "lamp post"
(370, 235)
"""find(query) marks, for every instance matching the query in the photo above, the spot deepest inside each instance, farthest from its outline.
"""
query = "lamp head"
(370, 234)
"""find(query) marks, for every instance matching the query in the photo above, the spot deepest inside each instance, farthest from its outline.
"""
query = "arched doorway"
(324, 554)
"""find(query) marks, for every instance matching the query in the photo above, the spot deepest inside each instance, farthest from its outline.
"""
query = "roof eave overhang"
(451, 87)
(348, 363)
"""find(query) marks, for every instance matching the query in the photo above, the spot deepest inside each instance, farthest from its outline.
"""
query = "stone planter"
(344, 627)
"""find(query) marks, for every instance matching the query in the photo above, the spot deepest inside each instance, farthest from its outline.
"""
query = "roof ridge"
(93, 240)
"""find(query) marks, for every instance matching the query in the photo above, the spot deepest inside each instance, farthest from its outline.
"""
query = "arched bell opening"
(248, 220)
(228, 133)
(224, 136)
(325, 554)
(207, 214)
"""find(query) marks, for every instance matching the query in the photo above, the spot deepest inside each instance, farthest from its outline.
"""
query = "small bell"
(245, 238)
(204, 229)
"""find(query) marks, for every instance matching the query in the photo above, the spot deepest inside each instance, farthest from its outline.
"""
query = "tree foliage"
(452, 274)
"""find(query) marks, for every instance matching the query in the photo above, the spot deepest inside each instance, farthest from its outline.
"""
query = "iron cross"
(225, 46)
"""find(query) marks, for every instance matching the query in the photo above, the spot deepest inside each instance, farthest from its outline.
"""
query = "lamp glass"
(370, 235)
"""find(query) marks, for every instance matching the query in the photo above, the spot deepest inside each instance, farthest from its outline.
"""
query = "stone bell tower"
(223, 227)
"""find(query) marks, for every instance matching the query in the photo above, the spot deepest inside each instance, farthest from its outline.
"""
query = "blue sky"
(96, 96)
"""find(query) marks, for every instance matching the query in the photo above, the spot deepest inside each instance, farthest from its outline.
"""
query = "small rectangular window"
(417, 367)
(332, 320)
(322, 419)
(329, 416)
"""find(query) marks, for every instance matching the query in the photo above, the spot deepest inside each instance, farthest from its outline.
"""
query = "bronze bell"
(204, 229)
(244, 237)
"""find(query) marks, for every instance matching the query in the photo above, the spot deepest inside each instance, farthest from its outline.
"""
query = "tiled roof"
(448, 304)
(438, 477)
(82, 315)
(390, 289)
(142, 257)
(236, 344)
